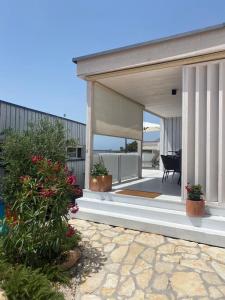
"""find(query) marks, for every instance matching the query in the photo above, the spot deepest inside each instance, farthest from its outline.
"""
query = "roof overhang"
(210, 40)
(147, 73)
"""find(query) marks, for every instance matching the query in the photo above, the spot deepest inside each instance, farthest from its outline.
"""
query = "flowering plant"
(194, 192)
(41, 208)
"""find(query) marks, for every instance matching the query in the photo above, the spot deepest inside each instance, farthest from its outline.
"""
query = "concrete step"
(150, 202)
(214, 209)
(154, 213)
(169, 222)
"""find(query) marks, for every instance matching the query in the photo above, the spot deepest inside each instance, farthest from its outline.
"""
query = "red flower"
(71, 179)
(36, 158)
(70, 231)
(78, 192)
(74, 209)
(46, 193)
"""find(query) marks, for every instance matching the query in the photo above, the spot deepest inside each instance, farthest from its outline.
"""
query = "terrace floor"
(122, 264)
(152, 182)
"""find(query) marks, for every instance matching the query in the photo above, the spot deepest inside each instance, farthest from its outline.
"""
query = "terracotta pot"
(101, 183)
(195, 208)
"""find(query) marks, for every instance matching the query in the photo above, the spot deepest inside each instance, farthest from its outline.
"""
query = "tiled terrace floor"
(127, 264)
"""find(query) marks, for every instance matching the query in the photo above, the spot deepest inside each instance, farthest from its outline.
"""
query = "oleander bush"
(37, 190)
(45, 139)
(38, 231)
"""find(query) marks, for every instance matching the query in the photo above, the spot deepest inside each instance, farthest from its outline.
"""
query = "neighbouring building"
(18, 117)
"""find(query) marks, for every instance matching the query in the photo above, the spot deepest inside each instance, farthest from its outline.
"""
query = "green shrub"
(99, 170)
(23, 283)
(194, 192)
(38, 232)
(45, 139)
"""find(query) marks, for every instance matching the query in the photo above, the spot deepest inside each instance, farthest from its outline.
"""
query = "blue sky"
(38, 39)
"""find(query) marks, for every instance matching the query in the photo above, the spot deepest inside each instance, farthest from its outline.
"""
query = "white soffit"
(153, 89)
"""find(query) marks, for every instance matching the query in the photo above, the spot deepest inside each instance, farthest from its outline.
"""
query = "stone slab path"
(121, 264)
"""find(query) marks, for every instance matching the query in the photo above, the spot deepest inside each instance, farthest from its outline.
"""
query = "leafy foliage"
(194, 192)
(45, 139)
(23, 283)
(99, 170)
(37, 229)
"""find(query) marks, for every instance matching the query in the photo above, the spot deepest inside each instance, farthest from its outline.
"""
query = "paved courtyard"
(119, 264)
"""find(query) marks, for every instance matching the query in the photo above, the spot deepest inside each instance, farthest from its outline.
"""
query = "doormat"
(138, 193)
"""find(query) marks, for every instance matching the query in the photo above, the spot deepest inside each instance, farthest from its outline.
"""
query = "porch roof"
(186, 45)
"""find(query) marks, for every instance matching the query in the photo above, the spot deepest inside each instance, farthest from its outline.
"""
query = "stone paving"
(133, 265)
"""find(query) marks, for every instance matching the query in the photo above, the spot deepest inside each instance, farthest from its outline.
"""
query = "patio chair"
(168, 165)
(177, 167)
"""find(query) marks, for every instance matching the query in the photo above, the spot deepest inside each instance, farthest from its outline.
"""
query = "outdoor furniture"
(171, 164)
(177, 167)
(167, 165)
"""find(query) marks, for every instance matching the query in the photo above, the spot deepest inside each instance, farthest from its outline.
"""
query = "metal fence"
(122, 166)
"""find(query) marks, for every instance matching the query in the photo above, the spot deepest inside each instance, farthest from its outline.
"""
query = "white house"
(181, 79)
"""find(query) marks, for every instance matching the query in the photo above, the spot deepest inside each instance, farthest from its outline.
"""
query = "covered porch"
(116, 107)
(181, 79)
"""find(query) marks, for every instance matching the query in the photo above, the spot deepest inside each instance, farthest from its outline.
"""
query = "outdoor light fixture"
(174, 91)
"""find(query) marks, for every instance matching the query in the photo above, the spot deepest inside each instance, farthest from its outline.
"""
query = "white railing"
(122, 166)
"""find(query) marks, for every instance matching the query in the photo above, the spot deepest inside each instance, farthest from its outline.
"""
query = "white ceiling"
(153, 89)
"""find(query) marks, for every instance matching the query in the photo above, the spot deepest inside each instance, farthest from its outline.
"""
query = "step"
(150, 202)
(154, 213)
(186, 232)
(214, 209)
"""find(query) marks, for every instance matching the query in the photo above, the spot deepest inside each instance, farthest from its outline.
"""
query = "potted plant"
(195, 205)
(100, 180)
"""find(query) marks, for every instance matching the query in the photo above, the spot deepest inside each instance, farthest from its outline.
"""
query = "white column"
(212, 132)
(89, 132)
(200, 125)
(221, 164)
(140, 146)
(162, 142)
(188, 127)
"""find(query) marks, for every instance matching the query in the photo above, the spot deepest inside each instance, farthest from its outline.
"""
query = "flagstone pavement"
(119, 264)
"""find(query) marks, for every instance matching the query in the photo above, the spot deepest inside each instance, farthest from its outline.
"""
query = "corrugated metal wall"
(18, 117)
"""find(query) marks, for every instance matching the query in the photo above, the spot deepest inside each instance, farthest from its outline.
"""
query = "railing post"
(119, 169)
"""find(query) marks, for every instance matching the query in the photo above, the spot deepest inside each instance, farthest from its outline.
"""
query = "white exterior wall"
(203, 144)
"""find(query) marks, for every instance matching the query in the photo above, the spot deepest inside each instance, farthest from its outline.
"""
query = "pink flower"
(71, 179)
(36, 158)
(78, 192)
(70, 231)
(46, 193)
(74, 209)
